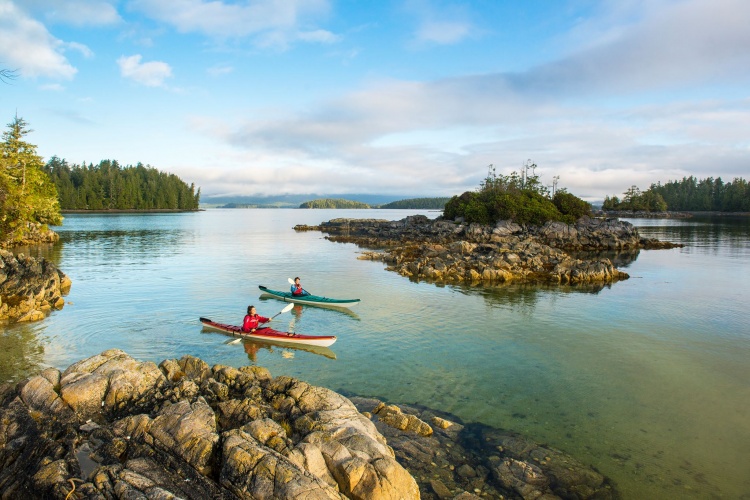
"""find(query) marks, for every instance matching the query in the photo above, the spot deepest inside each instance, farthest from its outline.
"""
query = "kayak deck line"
(271, 335)
(312, 300)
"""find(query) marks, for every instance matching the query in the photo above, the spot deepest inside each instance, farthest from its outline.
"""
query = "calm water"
(648, 379)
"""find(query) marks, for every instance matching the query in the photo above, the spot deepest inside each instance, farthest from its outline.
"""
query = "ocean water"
(647, 379)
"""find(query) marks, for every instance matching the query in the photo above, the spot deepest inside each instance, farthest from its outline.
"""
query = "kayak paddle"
(286, 309)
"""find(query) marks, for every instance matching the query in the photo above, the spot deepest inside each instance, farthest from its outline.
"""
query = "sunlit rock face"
(29, 288)
(112, 427)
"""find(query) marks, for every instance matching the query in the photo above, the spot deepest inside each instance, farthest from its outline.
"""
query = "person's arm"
(246, 324)
(263, 319)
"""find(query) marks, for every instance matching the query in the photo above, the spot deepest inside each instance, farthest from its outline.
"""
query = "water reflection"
(48, 251)
(619, 258)
(298, 308)
(23, 353)
(701, 231)
(285, 351)
(522, 296)
(143, 240)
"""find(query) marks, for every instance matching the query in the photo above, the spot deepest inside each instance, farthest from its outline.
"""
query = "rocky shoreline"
(29, 288)
(455, 252)
(112, 427)
(34, 234)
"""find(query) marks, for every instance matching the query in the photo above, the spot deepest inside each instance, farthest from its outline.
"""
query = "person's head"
(251, 310)
(296, 280)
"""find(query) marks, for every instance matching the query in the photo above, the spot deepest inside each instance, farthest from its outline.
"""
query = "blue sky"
(412, 98)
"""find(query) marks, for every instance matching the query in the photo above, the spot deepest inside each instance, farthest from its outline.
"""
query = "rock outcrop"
(112, 427)
(452, 251)
(29, 288)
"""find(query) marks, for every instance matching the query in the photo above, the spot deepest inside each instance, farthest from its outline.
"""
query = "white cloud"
(76, 12)
(395, 132)
(26, 45)
(443, 32)
(318, 36)
(275, 22)
(55, 87)
(677, 44)
(151, 74)
(79, 47)
(220, 69)
(440, 24)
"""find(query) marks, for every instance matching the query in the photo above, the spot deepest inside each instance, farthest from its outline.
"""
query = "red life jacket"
(252, 322)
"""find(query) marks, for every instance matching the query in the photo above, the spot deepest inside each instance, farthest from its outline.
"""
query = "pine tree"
(28, 197)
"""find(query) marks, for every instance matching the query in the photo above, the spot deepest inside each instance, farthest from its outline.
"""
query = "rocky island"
(452, 251)
(113, 427)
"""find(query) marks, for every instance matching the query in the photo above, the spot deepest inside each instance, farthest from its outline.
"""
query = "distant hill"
(418, 203)
(333, 203)
(290, 200)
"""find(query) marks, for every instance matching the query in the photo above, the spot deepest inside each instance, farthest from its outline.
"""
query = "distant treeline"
(412, 203)
(689, 195)
(333, 203)
(418, 203)
(109, 186)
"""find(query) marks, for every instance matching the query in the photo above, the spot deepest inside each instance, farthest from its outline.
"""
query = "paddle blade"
(235, 341)
(286, 309)
(290, 280)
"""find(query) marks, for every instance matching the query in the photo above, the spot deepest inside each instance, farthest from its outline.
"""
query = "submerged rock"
(458, 461)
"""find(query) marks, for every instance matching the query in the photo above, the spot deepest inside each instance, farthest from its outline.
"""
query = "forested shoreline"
(108, 186)
(687, 195)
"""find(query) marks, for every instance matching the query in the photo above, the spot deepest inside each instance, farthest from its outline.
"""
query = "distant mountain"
(292, 200)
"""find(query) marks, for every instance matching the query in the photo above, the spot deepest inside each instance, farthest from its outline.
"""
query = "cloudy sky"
(411, 97)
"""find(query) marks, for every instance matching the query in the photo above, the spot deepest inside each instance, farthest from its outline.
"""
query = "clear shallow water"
(648, 379)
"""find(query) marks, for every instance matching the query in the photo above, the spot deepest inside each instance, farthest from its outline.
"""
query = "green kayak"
(310, 300)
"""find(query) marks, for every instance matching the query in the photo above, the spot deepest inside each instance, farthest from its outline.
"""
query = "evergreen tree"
(28, 198)
(521, 198)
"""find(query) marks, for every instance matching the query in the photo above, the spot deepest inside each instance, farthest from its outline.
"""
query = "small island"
(510, 231)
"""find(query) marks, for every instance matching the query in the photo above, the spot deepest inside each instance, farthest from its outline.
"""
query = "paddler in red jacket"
(252, 320)
(297, 289)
